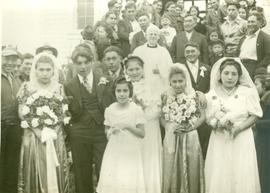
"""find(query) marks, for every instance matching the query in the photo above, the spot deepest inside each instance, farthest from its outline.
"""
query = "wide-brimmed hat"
(47, 47)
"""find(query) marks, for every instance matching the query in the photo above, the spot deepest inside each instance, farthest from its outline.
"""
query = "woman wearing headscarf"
(232, 109)
(42, 110)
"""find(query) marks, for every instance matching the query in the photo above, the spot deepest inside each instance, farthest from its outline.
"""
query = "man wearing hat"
(10, 130)
(88, 91)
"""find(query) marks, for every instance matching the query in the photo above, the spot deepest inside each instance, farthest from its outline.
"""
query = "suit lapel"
(191, 76)
(258, 45)
(198, 74)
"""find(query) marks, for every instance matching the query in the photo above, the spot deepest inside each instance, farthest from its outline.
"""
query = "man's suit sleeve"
(133, 43)
(123, 31)
(204, 51)
(173, 49)
(266, 51)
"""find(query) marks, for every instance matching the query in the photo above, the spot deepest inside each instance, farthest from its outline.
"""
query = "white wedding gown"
(231, 164)
(151, 144)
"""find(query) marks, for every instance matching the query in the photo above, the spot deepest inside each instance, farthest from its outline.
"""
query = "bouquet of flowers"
(222, 119)
(44, 110)
(181, 109)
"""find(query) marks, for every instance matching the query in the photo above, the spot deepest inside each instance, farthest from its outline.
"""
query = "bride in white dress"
(151, 144)
(231, 163)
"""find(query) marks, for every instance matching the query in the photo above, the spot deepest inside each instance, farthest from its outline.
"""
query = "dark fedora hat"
(47, 47)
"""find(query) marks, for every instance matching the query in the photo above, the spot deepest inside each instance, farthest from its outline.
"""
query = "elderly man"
(178, 44)
(254, 48)
(157, 61)
(10, 130)
(234, 28)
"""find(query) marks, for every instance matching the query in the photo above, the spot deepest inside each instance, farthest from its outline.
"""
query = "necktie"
(86, 85)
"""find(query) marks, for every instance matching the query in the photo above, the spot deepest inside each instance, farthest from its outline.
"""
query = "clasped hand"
(178, 129)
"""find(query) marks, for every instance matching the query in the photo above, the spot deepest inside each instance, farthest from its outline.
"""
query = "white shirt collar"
(116, 73)
(252, 35)
(89, 78)
(193, 64)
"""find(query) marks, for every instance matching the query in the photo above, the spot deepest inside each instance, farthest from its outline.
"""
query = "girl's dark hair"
(133, 58)
(231, 62)
(212, 31)
(197, 8)
(122, 80)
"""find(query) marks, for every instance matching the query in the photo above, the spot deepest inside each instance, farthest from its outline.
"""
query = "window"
(85, 13)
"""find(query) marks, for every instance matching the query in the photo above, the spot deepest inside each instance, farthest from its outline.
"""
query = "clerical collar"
(155, 46)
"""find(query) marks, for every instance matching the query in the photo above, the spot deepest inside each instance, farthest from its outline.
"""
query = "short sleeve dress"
(231, 164)
(122, 166)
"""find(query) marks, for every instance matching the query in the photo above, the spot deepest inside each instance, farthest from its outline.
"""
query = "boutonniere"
(202, 71)
(103, 81)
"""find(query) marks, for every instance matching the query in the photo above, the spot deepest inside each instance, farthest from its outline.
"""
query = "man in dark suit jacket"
(254, 48)
(200, 78)
(89, 98)
(11, 132)
(139, 38)
(125, 27)
(179, 41)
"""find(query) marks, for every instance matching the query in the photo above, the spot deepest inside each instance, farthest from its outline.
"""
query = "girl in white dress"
(151, 104)
(232, 109)
(122, 167)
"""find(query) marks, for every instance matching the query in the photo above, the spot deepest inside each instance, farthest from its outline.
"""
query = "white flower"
(46, 109)
(167, 117)
(39, 111)
(66, 120)
(35, 96)
(103, 80)
(48, 121)
(34, 122)
(202, 71)
(49, 95)
(29, 101)
(65, 107)
(59, 97)
(213, 122)
(165, 109)
(55, 119)
(25, 110)
(24, 124)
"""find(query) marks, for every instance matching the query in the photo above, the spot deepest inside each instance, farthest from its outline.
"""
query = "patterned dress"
(183, 168)
(34, 165)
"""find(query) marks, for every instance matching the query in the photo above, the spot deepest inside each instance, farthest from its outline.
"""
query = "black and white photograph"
(135, 96)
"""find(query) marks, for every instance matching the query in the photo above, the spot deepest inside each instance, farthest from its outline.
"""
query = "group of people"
(148, 105)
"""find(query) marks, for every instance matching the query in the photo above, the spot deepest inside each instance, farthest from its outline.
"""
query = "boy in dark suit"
(89, 98)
